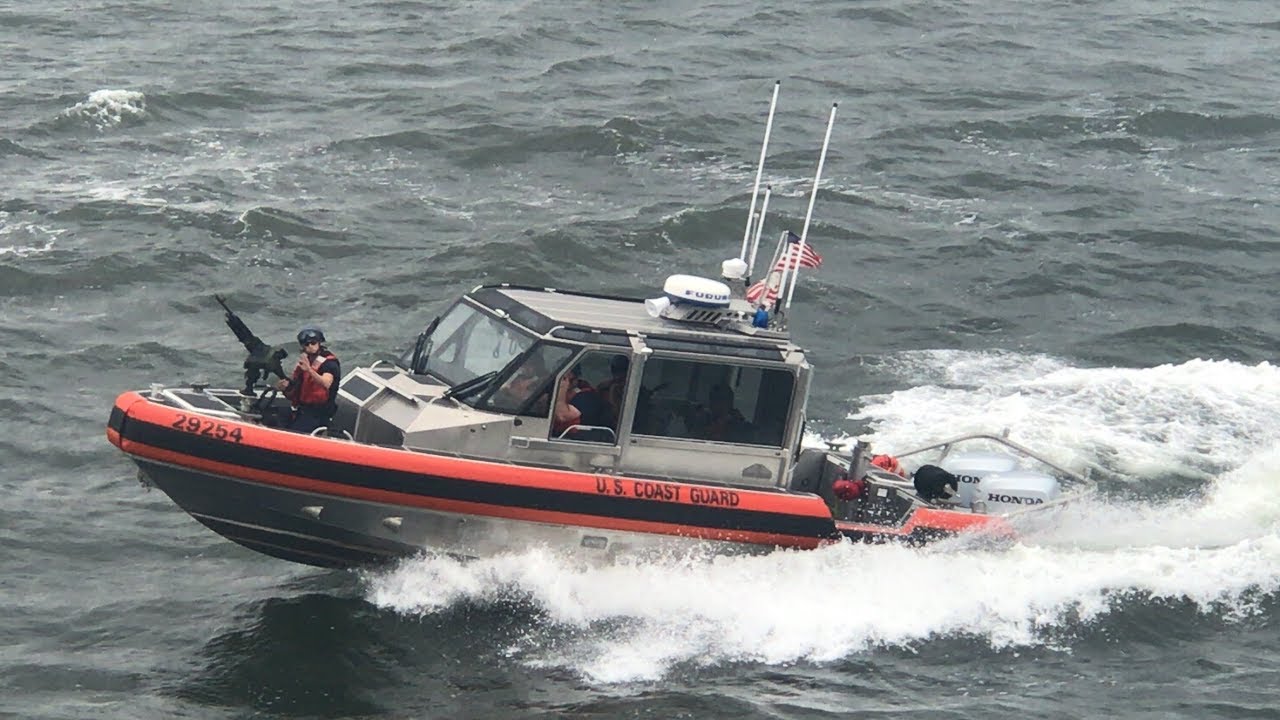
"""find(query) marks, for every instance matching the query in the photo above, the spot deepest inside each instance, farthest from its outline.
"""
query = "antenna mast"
(755, 190)
(804, 233)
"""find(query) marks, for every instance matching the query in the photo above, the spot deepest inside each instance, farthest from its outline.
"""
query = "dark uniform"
(313, 403)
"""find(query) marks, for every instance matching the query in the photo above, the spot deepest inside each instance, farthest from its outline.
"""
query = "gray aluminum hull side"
(337, 532)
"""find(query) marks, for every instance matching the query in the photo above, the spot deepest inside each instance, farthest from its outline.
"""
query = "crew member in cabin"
(526, 381)
(613, 389)
(578, 403)
(722, 421)
(313, 389)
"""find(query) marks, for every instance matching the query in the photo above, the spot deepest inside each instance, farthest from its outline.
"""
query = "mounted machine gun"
(263, 360)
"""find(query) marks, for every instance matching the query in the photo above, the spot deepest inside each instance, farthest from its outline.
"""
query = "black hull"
(270, 520)
(342, 533)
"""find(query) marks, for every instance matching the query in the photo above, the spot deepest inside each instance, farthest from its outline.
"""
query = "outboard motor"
(971, 466)
(1017, 489)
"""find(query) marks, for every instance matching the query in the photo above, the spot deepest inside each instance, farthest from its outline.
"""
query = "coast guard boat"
(455, 448)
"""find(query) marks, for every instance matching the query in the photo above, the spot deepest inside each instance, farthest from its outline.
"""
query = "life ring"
(889, 463)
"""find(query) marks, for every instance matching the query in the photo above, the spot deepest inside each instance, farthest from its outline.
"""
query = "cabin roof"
(543, 310)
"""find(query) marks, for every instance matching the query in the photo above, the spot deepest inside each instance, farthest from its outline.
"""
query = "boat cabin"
(696, 394)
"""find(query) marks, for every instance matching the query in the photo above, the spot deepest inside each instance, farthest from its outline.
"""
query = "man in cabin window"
(521, 385)
(313, 389)
(721, 422)
(577, 403)
(612, 389)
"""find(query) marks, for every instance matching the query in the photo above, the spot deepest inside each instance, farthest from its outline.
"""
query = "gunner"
(313, 389)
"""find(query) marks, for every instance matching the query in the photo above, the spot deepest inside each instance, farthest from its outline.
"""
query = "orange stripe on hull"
(945, 521)
(480, 471)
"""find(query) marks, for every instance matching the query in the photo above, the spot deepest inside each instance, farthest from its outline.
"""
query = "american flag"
(765, 292)
(807, 259)
(766, 289)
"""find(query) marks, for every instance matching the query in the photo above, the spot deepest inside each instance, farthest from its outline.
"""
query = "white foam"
(629, 623)
(1198, 418)
(109, 108)
(23, 251)
(25, 239)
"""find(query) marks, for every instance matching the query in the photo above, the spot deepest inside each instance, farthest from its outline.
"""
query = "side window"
(527, 390)
(687, 399)
(593, 391)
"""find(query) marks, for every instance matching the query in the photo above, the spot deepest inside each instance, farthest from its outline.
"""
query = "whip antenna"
(755, 242)
(804, 233)
(751, 214)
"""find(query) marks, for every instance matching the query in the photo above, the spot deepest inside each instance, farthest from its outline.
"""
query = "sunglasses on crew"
(305, 343)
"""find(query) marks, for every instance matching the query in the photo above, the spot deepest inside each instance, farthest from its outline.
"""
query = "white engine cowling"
(1015, 490)
(971, 466)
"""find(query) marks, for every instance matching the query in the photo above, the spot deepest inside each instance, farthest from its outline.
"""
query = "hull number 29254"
(207, 428)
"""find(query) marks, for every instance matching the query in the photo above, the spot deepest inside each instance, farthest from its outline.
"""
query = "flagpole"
(777, 252)
(804, 234)
(785, 258)
(768, 128)
(755, 243)
(777, 256)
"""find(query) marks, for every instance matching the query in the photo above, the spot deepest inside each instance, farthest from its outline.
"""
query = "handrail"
(580, 428)
(171, 395)
(324, 429)
(1002, 439)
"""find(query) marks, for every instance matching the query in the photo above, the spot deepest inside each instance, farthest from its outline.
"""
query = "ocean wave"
(9, 147)
(1191, 126)
(405, 139)
(322, 677)
(269, 221)
(105, 110)
(496, 145)
(26, 238)
(60, 272)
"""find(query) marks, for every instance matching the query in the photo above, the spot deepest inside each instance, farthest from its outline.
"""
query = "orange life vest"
(305, 389)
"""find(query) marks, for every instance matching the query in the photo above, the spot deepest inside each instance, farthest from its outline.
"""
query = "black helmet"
(309, 333)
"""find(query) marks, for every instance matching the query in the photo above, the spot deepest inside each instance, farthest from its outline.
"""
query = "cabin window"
(527, 389)
(594, 401)
(687, 399)
(469, 343)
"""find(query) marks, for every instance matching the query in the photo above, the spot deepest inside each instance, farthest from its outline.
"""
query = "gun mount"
(263, 360)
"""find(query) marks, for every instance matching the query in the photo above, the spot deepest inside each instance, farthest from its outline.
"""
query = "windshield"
(469, 342)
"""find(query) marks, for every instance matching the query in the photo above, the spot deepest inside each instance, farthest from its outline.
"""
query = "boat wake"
(1214, 549)
(1182, 424)
(642, 622)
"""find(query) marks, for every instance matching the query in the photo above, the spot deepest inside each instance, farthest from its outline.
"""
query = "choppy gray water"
(1056, 218)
